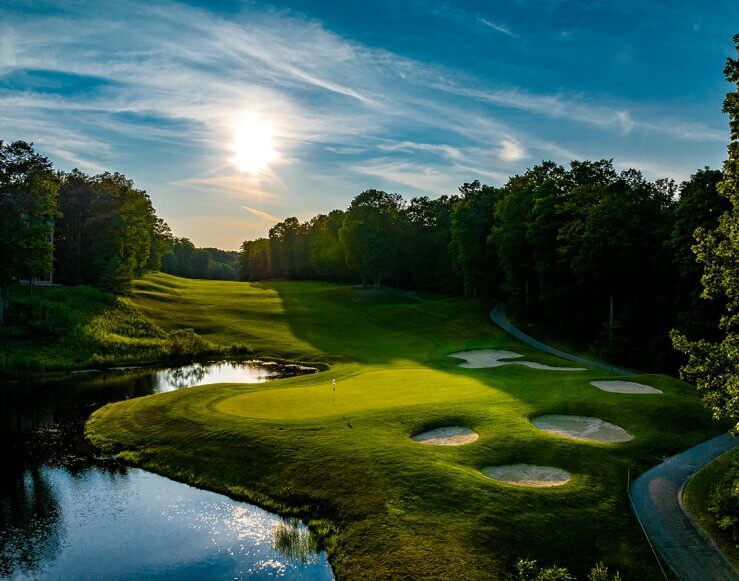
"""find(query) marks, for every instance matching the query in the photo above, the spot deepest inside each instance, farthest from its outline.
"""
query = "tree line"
(601, 253)
(97, 230)
(208, 263)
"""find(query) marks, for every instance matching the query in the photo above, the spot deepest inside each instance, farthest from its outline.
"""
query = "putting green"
(372, 390)
(344, 460)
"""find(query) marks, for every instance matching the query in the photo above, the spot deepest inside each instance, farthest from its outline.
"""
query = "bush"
(724, 500)
(187, 343)
(529, 570)
(52, 318)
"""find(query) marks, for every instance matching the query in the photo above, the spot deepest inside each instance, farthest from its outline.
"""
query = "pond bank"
(67, 513)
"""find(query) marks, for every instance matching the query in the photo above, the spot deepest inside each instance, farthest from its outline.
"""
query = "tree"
(38, 211)
(714, 365)
(699, 206)
(471, 222)
(255, 260)
(426, 235)
(28, 190)
(325, 252)
(161, 244)
(371, 235)
(509, 236)
(201, 263)
(108, 231)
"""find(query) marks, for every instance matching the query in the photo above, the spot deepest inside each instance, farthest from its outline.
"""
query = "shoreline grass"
(391, 507)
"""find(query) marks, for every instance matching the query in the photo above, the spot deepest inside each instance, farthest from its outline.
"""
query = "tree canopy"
(714, 364)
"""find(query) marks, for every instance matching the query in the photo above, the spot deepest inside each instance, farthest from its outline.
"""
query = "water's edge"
(54, 498)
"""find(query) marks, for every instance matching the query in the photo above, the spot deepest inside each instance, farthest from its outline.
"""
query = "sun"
(253, 145)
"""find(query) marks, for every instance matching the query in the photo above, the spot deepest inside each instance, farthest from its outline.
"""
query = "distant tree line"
(209, 263)
(599, 253)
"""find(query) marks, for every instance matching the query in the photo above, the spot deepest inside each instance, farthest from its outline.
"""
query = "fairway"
(335, 447)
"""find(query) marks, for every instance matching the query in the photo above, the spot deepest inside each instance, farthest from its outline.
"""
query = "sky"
(235, 114)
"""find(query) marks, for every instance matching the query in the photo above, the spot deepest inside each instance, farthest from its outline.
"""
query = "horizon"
(235, 115)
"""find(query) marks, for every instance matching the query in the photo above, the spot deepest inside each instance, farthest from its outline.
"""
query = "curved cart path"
(656, 495)
(657, 501)
(499, 318)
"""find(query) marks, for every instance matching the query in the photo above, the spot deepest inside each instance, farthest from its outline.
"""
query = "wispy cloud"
(497, 27)
(170, 81)
(446, 150)
(267, 217)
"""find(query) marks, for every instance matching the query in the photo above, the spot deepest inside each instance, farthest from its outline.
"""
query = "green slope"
(345, 461)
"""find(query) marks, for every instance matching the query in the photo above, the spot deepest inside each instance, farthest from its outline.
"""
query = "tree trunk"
(3, 294)
(610, 320)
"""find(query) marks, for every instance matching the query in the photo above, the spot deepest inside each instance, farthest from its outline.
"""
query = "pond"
(66, 514)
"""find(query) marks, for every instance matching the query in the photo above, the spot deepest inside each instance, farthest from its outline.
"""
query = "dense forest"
(586, 250)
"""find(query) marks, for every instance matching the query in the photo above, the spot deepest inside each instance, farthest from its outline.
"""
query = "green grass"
(387, 506)
(696, 498)
(74, 327)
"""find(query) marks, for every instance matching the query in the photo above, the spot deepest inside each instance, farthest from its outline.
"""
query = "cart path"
(499, 318)
(657, 501)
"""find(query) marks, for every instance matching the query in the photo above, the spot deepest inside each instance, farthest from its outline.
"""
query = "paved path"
(656, 500)
(499, 318)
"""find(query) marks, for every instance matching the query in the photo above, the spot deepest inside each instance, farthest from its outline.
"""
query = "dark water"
(65, 514)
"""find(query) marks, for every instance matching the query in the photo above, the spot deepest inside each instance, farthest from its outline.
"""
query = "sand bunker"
(527, 475)
(480, 358)
(447, 436)
(582, 428)
(624, 387)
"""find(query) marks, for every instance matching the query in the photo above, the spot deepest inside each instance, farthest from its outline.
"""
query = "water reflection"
(295, 541)
(66, 514)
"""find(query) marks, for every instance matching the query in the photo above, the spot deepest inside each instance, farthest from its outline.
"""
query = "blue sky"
(408, 96)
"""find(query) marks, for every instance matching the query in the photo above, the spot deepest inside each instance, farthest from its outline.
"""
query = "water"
(65, 514)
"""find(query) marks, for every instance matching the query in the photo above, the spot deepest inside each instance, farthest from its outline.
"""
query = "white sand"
(480, 358)
(447, 436)
(624, 387)
(528, 474)
(582, 428)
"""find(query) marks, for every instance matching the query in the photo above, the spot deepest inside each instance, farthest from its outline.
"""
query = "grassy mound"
(73, 327)
(341, 455)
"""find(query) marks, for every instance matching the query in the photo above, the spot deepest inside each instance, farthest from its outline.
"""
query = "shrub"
(724, 500)
(187, 343)
(52, 318)
(529, 570)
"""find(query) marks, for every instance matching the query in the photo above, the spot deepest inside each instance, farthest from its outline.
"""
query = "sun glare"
(253, 145)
